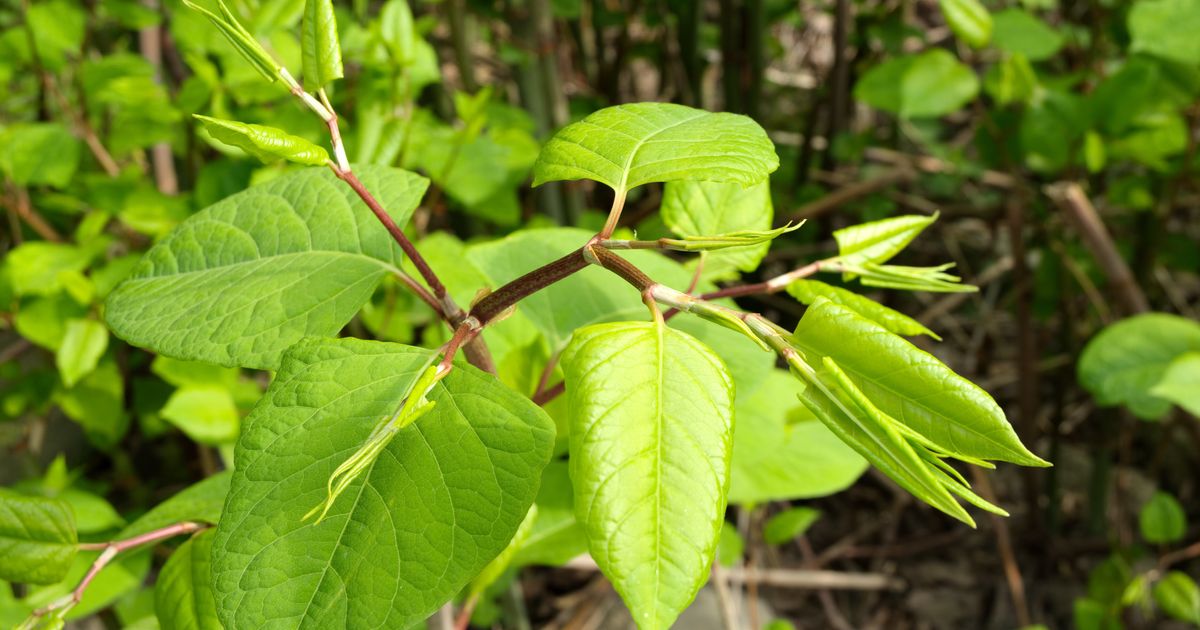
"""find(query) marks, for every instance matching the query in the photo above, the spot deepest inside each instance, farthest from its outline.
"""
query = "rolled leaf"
(809, 291)
(243, 41)
(265, 143)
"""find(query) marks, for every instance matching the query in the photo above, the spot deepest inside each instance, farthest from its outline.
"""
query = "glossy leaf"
(879, 241)
(319, 45)
(1125, 361)
(299, 256)
(694, 208)
(789, 524)
(37, 538)
(651, 431)
(1166, 28)
(912, 386)
(1180, 383)
(1162, 520)
(630, 145)
(780, 450)
(183, 595)
(445, 496)
(969, 20)
(809, 291)
(265, 143)
(82, 346)
(1179, 597)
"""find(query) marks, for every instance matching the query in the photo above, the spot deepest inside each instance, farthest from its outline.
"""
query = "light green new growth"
(265, 143)
(242, 39)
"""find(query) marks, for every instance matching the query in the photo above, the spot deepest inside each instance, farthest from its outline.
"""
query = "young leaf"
(265, 143)
(697, 209)
(83, 344)
(780, 450)
(445, 496)
(1180, 383)
(908, 278)
(1123, 364)
(639, 143)
(1179, 597)
(878, 241)
(320, 46)
(912, 386)
(787, 525)
(809, 291)
(183, 596)
(37, 538)
(243, 41)
(651, 432)
(835, 399)
(1162, 520)
(969, 20)
(206, 413)
(242, 280)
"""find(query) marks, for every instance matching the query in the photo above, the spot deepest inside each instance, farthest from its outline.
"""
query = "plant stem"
(773, 285)
(497, 302)
(110, 551)
(614, 214)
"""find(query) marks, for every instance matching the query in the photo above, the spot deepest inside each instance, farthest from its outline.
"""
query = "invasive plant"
(375, 481)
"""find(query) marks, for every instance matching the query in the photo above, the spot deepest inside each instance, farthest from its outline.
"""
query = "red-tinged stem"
(494, 304)
(546, 395)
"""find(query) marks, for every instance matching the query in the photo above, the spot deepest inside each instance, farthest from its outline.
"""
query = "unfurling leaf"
(933, 279)
(698, 209)
(878, 241)
(243, 41)
(809, 291)
(265, 143)
(37, 538)
(639, 143)
(745, 238)
(651, 430)
(321, 48)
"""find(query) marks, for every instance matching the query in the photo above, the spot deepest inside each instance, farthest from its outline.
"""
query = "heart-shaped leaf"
(651, 432)
(443, 498)
(242, 280)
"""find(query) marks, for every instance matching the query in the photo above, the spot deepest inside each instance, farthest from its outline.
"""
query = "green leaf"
(38, 154)
(82, 346)
(1179, 597)
(265, 143)
(1122, 364)
(780, 450)
(496, 568)
(1165, 28)
(37, 538)
(809, 291)
(1181, 383)
(908, 278)
(44, 320)
(1012, 80)
(838, 403)
(1020, 32)
(912, 386)
(1162, 520)
(201, 502)
(442, 500)
(630, 145)
(789, 524)
(97, 403)
(730, 545)
(651, 432)
(590, 296)
(927, 85)
(695, 208)
(183, 595)
(244, 279)
(879, 241)
(242, 40)
(42, 268)
(206, 413)
(320, 46)
(396, 29)
(969, 20)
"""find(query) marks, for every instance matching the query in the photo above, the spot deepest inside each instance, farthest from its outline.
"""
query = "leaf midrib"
(622, 186)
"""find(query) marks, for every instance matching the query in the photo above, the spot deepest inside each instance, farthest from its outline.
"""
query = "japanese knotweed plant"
(376, 481)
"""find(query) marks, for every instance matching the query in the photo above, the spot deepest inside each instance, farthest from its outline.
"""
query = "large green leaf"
(1122, 364)
(911, 386)
(927, 85)
(1166, 28)
(590, 296)
(183, 596)
(319, 45)
(241, 281)
(780, 451)
(444, 497)
(651, 432)
(37, 538)
(694, 208)
(630, 145)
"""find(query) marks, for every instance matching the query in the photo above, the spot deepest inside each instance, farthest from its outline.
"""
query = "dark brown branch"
(497, 302)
